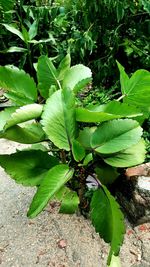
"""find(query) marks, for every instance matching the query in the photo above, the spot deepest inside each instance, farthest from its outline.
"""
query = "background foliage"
(96, 32)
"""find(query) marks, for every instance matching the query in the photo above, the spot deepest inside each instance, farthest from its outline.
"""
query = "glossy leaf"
(11, 28)
(20, 85)
(124, 79)
(58, 119)
(85, 136)
(106, 112)
(77, 77)
(63, 67)
(29, 134)
(77, 150)
(5, 115)
(28, 167)
(116, 135)
(25, 113)
(47, 76)
(51, 184)
(138, 90)
(108, 219)
(69, 200)
(132, 156)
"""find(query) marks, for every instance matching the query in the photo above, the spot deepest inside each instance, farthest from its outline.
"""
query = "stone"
(133, 193)
(140, 170)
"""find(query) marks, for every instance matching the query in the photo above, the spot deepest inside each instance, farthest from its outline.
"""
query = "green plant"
(87, 145)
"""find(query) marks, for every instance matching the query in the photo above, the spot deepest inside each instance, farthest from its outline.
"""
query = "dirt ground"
(54, 239)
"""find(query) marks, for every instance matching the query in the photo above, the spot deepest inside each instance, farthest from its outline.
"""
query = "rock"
(141, 170)
(133, 193)
(62, 243)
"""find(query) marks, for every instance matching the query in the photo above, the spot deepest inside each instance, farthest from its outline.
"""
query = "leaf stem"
(121, 97)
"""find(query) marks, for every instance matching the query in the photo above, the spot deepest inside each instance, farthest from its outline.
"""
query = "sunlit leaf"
(124, 79)
(20, 85)
(5, 115)
(63, 67)
(77, 150)
(129, 157)
(58, 119)
(47, 75)
(106, 112)
(138, 90)
(69, 200)
(77, 77)
(25, 113)
(28, 134)
(28, 167)
(116, 135)
(51, 184)
(108, 219)
(85, 136)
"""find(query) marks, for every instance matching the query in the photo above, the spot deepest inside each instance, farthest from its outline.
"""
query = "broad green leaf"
(106, 112)
(47, 76)
(25, 113)
(115, 261)
(58, 119)
(63, 67)
(12, 28)
(51, 184)
(5, 115)
(85, 136)
(29, 134)
(124, 79)
(17, 98)
(88, 159)
(116, 135)
(129, 157)
(28, 167)
(19, 84)
(77, 150)
(138, 89)
(107, 219)
(106, 174)
(13, 49)
(77, 77)
(69, 200)
(33, 30)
